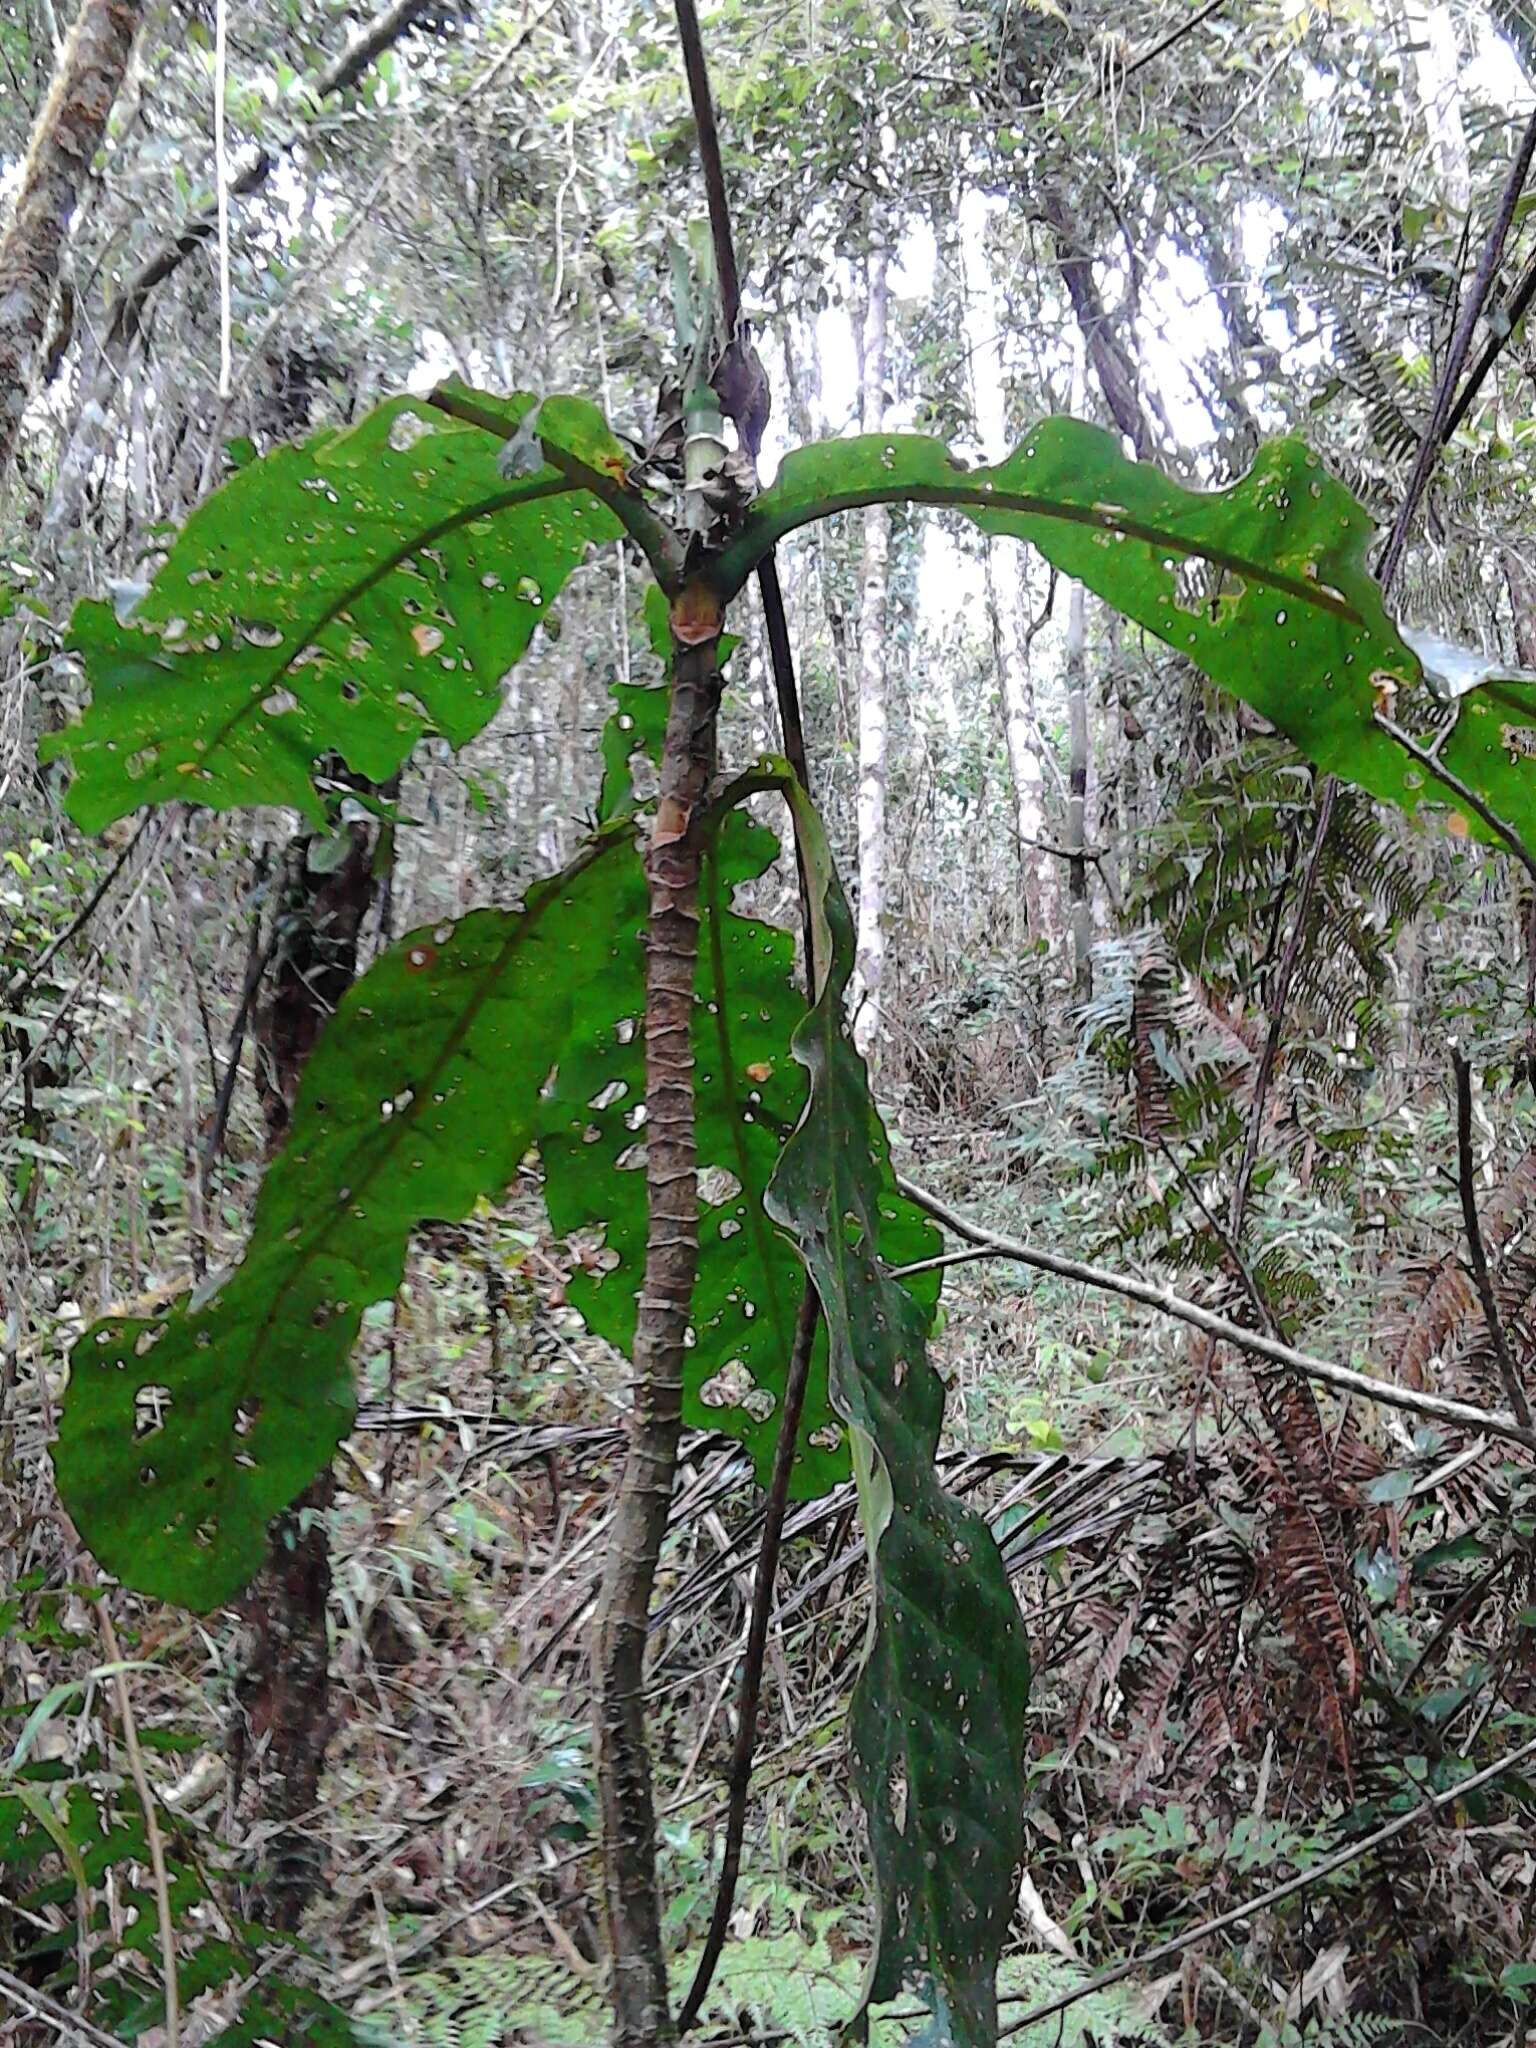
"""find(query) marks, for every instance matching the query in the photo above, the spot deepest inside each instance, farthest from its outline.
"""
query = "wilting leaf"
(937, 1717)
(1266, 586)
(183, 1434)
(343, 596)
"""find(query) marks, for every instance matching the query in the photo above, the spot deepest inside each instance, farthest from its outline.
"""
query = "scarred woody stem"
(642, 2013)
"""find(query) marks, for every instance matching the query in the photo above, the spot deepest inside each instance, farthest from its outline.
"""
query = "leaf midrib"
(334, 607)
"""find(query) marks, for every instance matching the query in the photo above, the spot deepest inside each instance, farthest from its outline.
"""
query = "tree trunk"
(1437, 75)
(642, 2010)
(64, 144)
(1080, 916)
(92, 430)
(1006, 589)
(869, 952)
(283, 1719)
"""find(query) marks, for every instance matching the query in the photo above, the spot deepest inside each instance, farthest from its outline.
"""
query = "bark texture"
(1114, 365)
(642, 2013)
(64, 143)
(869, 952)
(284, 1720)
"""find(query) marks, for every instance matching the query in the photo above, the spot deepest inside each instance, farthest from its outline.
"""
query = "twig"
(1275, 1896)
(1423, 467)
(1509, 1372)
(1427, 758)
(990, 1244)
(221, 188)
(28, 977)
(28, 1999)
(1456, 355)
(1176, 35)
(726, 275)
(152, 1836)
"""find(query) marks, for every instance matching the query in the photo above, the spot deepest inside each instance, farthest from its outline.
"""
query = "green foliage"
(184, 1433)
(788, 1987)
(1265, 586)
(74, 1871)
(343, 596)
(937, 1716)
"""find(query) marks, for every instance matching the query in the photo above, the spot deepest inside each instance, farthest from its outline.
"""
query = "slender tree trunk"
(283, 1720)
(869, 953)
(642, 2011)
(1006, 589)
(64, 143)
(1437, 75)
(1080, 913)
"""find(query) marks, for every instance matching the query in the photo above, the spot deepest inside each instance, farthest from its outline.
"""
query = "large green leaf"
(937, 1716)
(344, 596)
(184, 1433)
(1265, 586)
(749, 1096)
(425, 1092)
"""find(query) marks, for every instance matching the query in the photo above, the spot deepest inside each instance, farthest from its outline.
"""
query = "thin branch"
(39, 2005)
(1418, 482)
(28, 977)
(152, 1836)
(1519, 305)
(1177, 35)
(1428, 759)
(792, 731)
(1509, 1372)
(991, 1244)
(1275, 1896)
(694, 64)
(1456, 356)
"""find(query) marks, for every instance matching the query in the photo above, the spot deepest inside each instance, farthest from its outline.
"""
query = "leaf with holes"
(1266, 586)
(937, 1717)
(750, 1095)
(343, 596)
(184, 1433)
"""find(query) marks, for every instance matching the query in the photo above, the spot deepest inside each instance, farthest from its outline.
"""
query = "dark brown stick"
(1466, 1174)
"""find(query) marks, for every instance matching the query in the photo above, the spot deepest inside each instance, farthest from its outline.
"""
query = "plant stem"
(744, 1748)
(642, 2015)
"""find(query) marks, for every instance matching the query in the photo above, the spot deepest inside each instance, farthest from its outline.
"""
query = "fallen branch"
(990, 1244)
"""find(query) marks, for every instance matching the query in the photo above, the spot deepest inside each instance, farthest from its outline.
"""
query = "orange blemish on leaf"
(419, 958)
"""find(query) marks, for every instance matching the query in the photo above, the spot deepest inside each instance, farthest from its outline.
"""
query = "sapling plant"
(347, 597)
